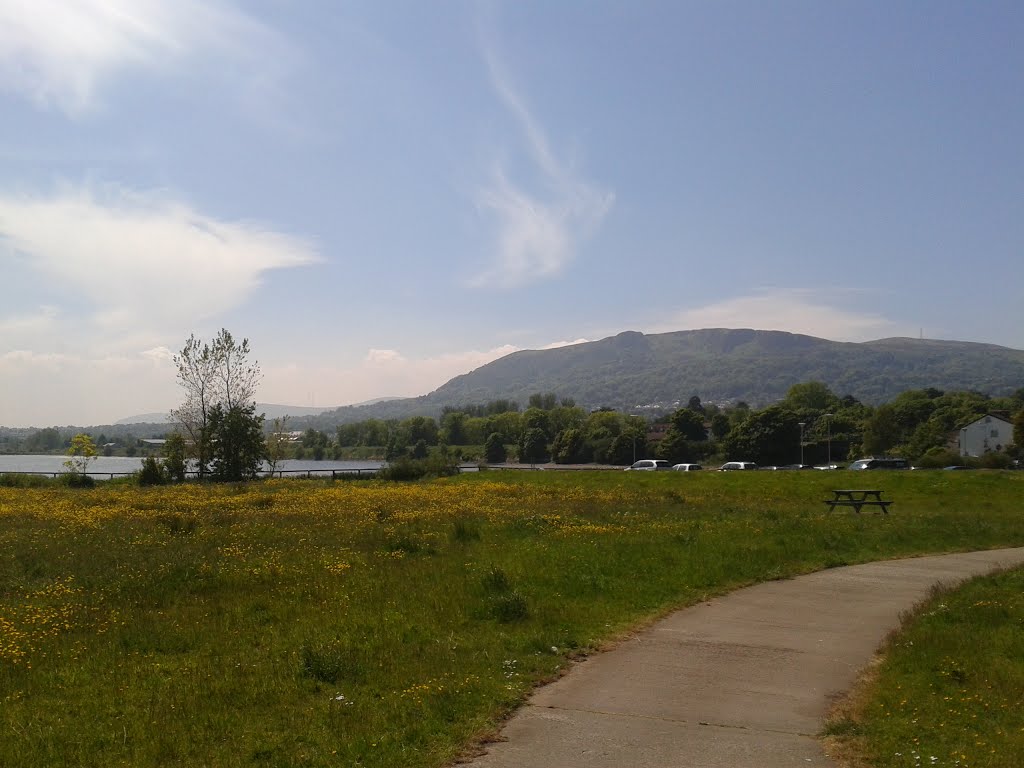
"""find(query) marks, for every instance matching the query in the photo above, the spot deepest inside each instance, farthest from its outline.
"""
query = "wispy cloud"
(796, 311)
(538, 231)
(58, 53)
(139, 261)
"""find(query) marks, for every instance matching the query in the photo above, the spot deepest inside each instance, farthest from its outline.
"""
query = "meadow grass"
(386, 624)
(949, 690)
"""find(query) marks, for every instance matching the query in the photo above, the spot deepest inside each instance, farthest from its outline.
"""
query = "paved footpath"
(743, 681)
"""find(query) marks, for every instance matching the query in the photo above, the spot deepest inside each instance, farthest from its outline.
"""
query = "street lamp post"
(828, 427)
(802, 425)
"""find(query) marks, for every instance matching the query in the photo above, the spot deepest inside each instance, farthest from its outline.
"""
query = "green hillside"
(634, 369)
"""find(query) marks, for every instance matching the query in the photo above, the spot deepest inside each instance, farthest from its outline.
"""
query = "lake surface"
(105, 465)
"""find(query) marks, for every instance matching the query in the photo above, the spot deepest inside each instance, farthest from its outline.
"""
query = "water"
(105, 465)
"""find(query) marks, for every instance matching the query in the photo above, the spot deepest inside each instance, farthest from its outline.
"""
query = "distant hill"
(271, 410)
(633, 370)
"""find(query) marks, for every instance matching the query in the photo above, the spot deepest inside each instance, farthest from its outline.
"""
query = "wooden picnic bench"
(857, 498)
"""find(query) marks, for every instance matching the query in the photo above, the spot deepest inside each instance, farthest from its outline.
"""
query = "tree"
(694, 404)
(719, 425)
(197, 364)
(277, 443)
(689, 424)
(811, 396)
(453, 428)
(316, 443)
(494, 449)
(881, 431)
(545, 401)
(81, 453)
(570, 447)
(417, 428)
(533, 446)
(1018, 429)
(537, 418)
(44, 440)
(686, 426)
(217, 375)
(238, 447)
(175, 457)
(771, 436)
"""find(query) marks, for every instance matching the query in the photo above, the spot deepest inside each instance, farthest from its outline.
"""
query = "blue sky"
(382, 195)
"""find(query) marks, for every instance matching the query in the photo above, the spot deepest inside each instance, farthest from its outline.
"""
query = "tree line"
(810, 425)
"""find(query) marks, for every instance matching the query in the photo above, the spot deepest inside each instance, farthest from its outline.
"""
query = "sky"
(382, 195)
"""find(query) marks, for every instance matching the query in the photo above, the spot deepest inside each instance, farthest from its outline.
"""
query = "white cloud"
(16, 326)
(538, 231)
(796, 311)
(57, 389)
(143, 264)
(59, 52)
(383, 356)
(558, 344)
(382, 373)
(158, 355)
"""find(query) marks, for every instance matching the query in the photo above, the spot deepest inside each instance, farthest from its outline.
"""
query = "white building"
(989, 433)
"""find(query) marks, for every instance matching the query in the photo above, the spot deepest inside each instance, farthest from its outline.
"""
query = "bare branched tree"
(212, 374)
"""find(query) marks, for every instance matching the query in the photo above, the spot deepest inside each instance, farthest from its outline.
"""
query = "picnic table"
(857, 498)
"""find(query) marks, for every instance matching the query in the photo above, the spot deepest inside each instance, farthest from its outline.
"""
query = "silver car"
(731, 465)
(649, 465)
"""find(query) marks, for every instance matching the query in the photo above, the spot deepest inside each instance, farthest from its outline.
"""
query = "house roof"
(980, 419)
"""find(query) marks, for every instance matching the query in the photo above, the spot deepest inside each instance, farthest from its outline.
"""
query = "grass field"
(360, 623)
(950, 687)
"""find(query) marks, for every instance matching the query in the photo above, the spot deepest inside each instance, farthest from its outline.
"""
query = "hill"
(634, 370)
(270, 410)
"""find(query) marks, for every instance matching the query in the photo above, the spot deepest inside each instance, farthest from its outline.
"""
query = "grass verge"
(948, 688)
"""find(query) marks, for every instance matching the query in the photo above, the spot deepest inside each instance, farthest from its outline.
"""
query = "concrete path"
(743, 681)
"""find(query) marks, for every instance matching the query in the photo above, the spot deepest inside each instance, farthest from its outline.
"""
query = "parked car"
(884, 463)
(731, 465)
(686, 467)
(649, 465)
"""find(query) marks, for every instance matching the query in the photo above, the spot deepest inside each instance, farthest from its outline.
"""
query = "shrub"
(994, 460)
(496, 580)
(331, 662)
(416, 469)
(75, 480)
(936, 458)
(152, 472)
(16, 480)
(510, 607)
